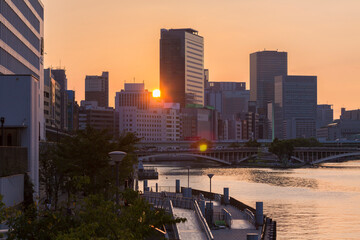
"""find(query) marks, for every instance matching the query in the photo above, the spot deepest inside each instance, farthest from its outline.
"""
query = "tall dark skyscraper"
(60, 77)
(295, 106)
(264, 66)
(182, 66)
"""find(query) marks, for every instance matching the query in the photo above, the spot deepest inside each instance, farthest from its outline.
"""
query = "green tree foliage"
(94, 218)
(252, 143)
(2, 212)
(284, 149)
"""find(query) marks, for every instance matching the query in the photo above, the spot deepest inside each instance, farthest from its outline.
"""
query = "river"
(307, 203)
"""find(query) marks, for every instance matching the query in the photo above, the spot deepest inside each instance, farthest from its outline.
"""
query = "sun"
(156, 93)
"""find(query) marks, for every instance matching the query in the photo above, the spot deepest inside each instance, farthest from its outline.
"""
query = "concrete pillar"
(177, 185)
(202, 207)
(145, 185)
(157, 187)
(252, 236)
(187, 192)
(259, 214)
(226, 196)
(209, 211)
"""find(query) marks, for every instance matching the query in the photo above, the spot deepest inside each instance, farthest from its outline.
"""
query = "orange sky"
(322, 37)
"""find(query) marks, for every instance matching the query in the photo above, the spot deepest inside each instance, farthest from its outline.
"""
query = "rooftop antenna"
(134, 79)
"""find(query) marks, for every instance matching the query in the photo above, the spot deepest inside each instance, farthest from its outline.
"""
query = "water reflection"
(307, 203)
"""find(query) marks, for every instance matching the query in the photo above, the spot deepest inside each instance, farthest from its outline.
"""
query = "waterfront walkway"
(191, 229)
(240, 226)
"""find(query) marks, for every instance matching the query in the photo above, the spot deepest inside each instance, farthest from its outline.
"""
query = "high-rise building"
(182, 66)
(72, 111)
(229, 98)
(99, 118)
(158, 123)
(21, 53)
(295, 106)
(60, 77)
(264, 66)
(133, 95)
(325, 115)
(97, 89)
(52, 101)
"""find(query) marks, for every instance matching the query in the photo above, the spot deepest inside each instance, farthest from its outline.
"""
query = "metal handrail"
(176, 230)
(250, 215)
(203, 221)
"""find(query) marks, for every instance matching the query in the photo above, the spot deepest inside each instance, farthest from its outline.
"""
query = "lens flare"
(203, 147)
(156, 93)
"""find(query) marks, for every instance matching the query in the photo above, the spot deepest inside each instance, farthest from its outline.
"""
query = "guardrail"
(171, 211)
(3, 232)
(202, 220)
(250, 216)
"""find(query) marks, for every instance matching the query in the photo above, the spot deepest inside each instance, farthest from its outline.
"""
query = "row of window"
(29, 15)
(16, 21)
(14, 65)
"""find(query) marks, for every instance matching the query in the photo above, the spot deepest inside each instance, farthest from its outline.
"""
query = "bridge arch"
(321, 160)
(186, 155)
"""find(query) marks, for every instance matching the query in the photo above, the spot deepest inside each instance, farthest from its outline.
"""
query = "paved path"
(191, 229)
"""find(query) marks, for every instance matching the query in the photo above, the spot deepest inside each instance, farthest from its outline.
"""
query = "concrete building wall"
(97, 89)
(22, 43)
(22, 91)
(12, 188)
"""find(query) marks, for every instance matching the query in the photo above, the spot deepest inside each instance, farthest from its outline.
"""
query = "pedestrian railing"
(202, 220)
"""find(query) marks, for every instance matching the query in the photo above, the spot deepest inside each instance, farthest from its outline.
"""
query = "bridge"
(229, 156)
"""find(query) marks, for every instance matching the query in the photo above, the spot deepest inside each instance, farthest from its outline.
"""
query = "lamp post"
(2, 120)
(188, 168)
(210, 176)
(117, 157)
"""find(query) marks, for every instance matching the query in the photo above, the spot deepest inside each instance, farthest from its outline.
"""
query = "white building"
(22, 95)
(19, 105)
(153, 124)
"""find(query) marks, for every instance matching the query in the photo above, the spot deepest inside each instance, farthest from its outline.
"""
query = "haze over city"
(122, 37)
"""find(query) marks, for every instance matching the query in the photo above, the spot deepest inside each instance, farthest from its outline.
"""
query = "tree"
(252, 143)
(283, 149)
(2, 212)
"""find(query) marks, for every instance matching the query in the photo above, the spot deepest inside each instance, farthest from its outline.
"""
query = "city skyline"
(124, 39)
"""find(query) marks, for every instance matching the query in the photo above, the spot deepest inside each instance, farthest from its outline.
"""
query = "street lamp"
(210, 176)
(117, 157)
(188, 168)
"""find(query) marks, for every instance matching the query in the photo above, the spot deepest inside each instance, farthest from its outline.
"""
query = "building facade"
(60, 76)
(22, 43)
(325, 115)
(264, 66)
(72, 111)
(230, 99)
(52, 101)
(21, 125)
(133, 95)
(295, 106)
(182, 66)
(99, 118)
(159, 123)
(97, 89)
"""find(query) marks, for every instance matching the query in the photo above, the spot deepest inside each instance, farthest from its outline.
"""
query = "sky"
(322, 38)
